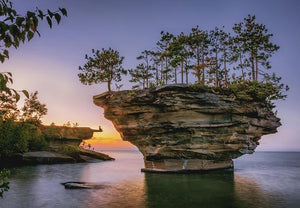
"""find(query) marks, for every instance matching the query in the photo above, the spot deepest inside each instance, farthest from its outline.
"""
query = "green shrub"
(13, 139)
(132, 94)
(70, 150)
(20, 137)
(4, 184)
(257, 91)
(200, 88)
(248, 91)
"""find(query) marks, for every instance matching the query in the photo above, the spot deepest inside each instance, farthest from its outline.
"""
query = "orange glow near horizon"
(109, 141)
(114, 135)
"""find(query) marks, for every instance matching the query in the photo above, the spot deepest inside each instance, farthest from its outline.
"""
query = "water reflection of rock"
(129, 193)
(222, 189)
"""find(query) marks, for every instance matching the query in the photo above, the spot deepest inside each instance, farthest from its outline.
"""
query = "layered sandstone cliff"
(58, 135)
(178, 128)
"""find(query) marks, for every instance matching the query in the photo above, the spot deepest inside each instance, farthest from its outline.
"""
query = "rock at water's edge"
(95, 155)
(59, 135)
(178, 128)
(44, 157)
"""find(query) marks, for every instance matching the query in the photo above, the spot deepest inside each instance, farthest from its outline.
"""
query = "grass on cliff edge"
(70, 150)
(248, 91)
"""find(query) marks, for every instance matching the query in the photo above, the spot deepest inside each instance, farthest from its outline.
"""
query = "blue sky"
(50, 63)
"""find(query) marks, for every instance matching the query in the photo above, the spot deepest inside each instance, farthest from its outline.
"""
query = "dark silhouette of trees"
(33, 109)
(16, 28)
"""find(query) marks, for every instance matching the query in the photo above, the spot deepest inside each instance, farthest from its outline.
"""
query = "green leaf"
(5, 52)
(30, 35)
(25, 92)
(41, 14)
(2, 58)
(30, 14)
(17, 96)
(49, 21)
(50, 13)
(57, 17)
(14, 30)
(19, 21)
(63, 11)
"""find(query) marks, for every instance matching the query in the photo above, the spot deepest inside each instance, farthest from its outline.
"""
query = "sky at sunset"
(49, 64)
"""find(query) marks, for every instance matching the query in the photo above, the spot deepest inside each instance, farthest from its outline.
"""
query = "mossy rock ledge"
(178, 128)
(59, 135)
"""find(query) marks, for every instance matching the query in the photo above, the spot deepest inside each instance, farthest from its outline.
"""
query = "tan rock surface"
(178, 128)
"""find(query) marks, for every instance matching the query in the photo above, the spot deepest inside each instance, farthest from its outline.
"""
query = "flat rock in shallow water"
(44, 157)
(95, 155)
(82, 185)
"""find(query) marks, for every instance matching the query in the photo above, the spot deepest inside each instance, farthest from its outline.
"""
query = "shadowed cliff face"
(178, 128)
(58, 135)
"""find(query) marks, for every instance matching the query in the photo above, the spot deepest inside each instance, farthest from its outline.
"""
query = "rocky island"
(178, 128)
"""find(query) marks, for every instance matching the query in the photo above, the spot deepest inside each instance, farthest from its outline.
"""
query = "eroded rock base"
(185, 165)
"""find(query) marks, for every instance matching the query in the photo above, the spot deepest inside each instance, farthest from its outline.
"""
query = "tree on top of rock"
(256, 44)
(102, 66)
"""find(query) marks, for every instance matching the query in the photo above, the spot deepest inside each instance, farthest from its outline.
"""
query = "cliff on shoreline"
(63, 146)
(179, 128)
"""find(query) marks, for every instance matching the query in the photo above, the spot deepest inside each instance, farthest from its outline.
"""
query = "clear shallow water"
(263, 179)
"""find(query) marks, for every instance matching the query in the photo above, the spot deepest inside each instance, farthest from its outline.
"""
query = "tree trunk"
(161, 73)
(252, 66)
(241, 63)
(175, 75)
(216, 72)
(156, 71)
(225, 71)
(108, 85)
(147, 72)
(166, 74)
(256, 68)
(186, 73)
(198, 68)
(203, 70)
(181, 72)
(110, 79)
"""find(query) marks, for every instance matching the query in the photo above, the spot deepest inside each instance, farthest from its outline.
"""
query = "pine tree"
(146, 58)
(163, 48)
(255, 42)
(139, 75)
(198, 43)
(102, 66)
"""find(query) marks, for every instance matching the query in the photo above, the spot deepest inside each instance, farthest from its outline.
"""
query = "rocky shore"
(58, 137)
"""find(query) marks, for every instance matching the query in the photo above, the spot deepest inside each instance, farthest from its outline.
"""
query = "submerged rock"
(82, 185)
(178, 128)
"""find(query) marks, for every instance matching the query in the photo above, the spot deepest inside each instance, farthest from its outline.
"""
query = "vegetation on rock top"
(215, 60)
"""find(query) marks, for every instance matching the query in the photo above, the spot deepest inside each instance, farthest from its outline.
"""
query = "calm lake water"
(264, 179)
